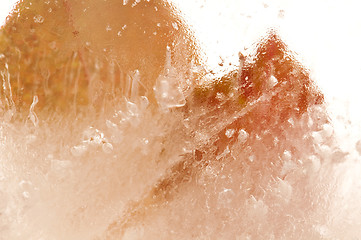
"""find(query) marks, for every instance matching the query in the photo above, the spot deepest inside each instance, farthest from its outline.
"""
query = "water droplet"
(50, 10)
(125, 2)
(119, 33)
(108, 28)
(38, 19)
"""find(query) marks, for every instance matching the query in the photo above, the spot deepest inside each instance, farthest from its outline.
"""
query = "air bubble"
(284, 189)
(230, 132)
(167, 90)
(144, 102)
(60, 165)
(145, 141)
(111, 125)
(358, 147)
(107, 147)
(272, 81)
(242, 136)
(175, 26)
(327, 131)
(339, 156)
(26, 195)
(135, 3)
(78, 151)
(3, 202)
(225, 197)
(25, 188)
(316, 163)
(287, 156)
(132, 108)
(38, 19)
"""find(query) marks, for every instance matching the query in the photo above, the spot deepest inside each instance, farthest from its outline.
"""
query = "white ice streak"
(32, 115)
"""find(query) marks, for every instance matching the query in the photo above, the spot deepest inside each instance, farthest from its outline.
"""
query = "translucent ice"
(141, 141)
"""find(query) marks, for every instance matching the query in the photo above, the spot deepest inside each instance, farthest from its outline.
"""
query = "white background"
(5, 8)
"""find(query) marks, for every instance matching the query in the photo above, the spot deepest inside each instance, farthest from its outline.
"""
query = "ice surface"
(144, 143)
